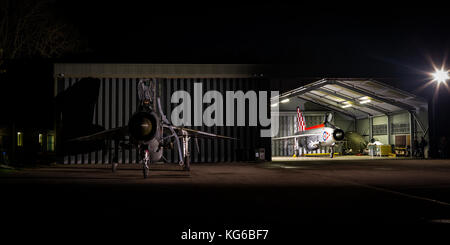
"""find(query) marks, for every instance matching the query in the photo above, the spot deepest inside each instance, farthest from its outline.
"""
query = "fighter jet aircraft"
(325, 134)
(150, 132)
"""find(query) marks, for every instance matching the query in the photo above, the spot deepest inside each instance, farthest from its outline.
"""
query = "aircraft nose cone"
(145, 126)
(338, 134)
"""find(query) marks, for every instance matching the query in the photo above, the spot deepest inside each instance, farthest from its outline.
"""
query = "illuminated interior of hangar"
(367, 110)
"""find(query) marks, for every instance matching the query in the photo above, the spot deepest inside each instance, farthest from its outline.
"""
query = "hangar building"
(365, 107)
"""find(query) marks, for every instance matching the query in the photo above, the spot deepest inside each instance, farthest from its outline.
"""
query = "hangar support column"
(389, 128)
(411, 132)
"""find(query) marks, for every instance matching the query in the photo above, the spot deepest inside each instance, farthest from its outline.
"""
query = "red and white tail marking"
(300, 120)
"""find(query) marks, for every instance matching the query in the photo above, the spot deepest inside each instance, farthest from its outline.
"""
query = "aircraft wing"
(103, 135)
(294, 136)
(202, 134)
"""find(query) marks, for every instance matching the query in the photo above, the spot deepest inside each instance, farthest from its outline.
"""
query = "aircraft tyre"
(147, 161)
(145, 172)
(187, 164)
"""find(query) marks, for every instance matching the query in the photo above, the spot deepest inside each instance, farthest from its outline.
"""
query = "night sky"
(394, 43)
(337, 40)
(327, 39)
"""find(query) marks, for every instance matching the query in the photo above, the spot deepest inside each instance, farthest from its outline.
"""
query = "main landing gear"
(187, 163)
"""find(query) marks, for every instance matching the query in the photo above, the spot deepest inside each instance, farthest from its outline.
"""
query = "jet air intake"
(338, 134)
(143, 126)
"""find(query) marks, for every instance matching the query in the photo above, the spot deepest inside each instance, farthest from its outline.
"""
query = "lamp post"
(440, 77)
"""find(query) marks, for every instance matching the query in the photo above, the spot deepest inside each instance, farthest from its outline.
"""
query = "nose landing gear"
(146, 160)
(332, 150)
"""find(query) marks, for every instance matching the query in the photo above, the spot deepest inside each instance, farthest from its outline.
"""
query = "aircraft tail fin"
(76, 105)
(300, 120)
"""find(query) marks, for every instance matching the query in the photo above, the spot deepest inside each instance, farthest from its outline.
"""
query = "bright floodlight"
(285, 101)
(274, 105)
(440, 76)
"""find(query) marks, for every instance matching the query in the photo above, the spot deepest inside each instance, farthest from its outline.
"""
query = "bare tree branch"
(29, 29)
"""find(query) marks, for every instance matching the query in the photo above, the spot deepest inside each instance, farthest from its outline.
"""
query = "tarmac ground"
(285, 197)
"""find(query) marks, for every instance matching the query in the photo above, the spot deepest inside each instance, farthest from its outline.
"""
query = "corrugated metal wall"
(118, 99)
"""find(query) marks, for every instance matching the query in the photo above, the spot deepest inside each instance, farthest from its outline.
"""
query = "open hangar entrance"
(364, 108)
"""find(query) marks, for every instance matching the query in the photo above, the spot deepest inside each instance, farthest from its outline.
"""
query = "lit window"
(19, 139)
(50, 143)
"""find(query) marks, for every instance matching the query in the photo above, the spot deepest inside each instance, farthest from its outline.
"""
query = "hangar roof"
(118, 70)
(353, 97)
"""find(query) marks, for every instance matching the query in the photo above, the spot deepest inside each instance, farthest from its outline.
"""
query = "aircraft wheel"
(145, 172)
(187, 164)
